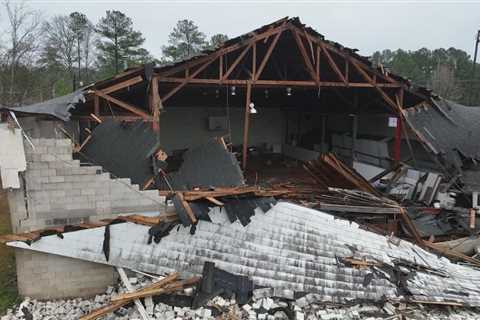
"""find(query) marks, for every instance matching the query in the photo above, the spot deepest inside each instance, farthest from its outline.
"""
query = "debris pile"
(263, 305)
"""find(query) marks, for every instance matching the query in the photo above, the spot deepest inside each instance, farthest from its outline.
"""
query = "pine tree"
(216, 41)
(78, 24)
(119, 44)
(184, 41)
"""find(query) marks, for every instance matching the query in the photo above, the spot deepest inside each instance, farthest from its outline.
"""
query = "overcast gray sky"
(366, 25)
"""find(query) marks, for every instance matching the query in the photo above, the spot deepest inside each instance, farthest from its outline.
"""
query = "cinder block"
(47, 157)
(88, 192)
(55, 179)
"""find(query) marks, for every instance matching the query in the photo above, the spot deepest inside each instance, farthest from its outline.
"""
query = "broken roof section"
(111, 139)
(288, 248)
(57, 107)
(207, 166)
(450, 130)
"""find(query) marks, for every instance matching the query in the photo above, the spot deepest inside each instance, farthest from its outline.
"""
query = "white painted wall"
(183, 127)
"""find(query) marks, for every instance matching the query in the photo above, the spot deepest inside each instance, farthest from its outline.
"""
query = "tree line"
(44, 58)
(448, 72)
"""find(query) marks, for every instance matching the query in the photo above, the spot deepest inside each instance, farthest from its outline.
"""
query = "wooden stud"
(246, 125)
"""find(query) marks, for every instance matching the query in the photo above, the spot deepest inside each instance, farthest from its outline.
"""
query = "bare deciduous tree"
(23, 33)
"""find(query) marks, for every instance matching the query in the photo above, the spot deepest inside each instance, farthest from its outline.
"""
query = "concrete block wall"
(47, 276)
(58, 190)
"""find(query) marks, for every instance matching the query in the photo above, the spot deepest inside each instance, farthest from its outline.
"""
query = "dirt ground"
(8, 286)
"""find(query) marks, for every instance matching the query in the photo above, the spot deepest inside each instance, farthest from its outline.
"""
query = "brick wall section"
(47, 276)
(60, 191)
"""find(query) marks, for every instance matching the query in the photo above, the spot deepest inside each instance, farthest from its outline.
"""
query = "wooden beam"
(376, 86)
(306, 59)
(118, 118)
(237, 61)
(280, 83)
(123, 105)
(96, 105)
(332, 63)
(317, 66)
(155, 104)
(225, 50)
(267, 55)
(186, 80)
(347, 70)
(94, 117)
(254, 60)
(220, 67)
(123, 84)
(246, 125)
(317, 40)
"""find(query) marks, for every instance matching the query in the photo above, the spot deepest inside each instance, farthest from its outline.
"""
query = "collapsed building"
(280, 156)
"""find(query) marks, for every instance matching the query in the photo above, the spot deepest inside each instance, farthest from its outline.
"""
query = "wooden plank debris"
(147, 291)
(138, 303)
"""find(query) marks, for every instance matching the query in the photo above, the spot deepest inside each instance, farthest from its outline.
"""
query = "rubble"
(268, 308)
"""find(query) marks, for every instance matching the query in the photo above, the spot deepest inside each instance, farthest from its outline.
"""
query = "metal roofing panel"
(288, 247)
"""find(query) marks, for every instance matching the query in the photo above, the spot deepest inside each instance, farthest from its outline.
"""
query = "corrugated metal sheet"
(288, 247)
(57, 107)
(450, 129)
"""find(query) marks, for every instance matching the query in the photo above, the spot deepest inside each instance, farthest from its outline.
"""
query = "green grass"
(8, 279)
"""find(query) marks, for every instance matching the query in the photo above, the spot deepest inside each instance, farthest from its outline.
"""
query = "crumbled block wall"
(56, 190)
(60, 191)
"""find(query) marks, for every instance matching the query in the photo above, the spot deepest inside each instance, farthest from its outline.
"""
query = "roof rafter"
(123, 105)
(267, 55)
(306, 59)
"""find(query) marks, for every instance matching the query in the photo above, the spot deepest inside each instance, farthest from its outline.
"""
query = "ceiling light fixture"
(252, 108)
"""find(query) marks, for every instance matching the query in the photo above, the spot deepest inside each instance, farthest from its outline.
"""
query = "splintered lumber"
(186, 207)
(146, 292)
(138, 303)
(328, 171)
(104, 310)
(225, 192)
(114, 305)
(150, 221)
(214, 201)
(25, 237)
(452, 254)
